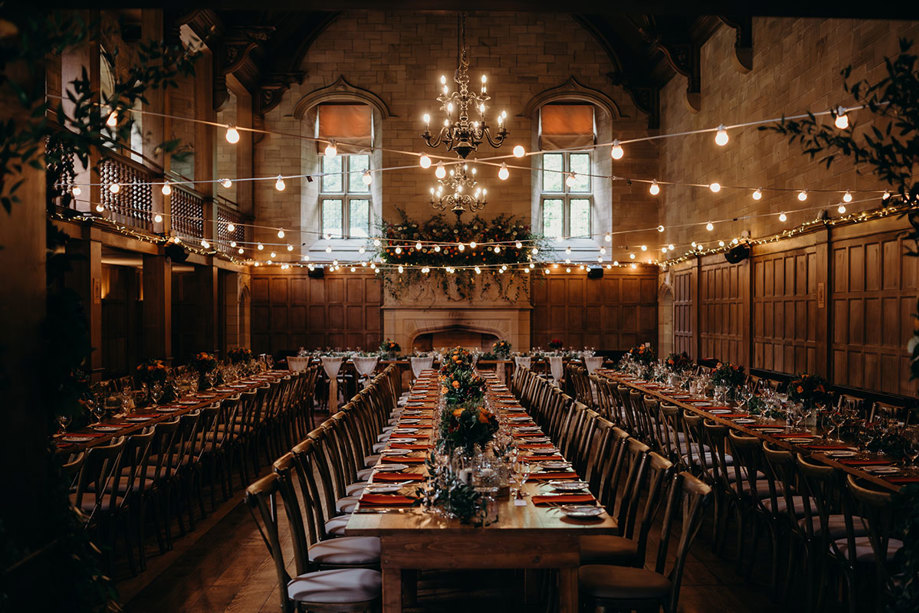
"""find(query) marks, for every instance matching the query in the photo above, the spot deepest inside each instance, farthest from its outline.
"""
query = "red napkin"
(717, 407)
(562, 499)
(794, 435)
(550, 476)
(760, 426)
(404, 435)
(864, 462)
(540, 458)
(535, 445)
(401, 460)
(727, 415)
(528, 434)
(386, 500)
(414, 446)
(826, 447)
(899, 480)
(395, 477)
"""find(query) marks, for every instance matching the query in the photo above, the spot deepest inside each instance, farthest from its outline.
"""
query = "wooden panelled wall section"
(615, 312)
(292, 310)
(839, 302)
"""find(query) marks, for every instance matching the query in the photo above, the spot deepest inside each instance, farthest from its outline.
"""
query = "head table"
(525, 536)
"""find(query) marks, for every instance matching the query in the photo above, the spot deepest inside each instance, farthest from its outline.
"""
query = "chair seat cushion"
(339, 586)
(608, 549)
(863, 551)
(336, 525)
(708, 460)
(356, 488)
(604, 582)
(836, 526)
(782, 505)
(346, 504)
(348, 550)
(370, 460)
(365, 473)
(379, 447)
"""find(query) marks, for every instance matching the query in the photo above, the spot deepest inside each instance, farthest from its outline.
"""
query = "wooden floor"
(228, 569)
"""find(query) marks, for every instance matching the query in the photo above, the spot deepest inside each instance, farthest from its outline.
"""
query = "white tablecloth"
(365, 366)
(421, 364)
(522, 362)
(555, 367)
(331, 366)
(593, 363)
(297, 363)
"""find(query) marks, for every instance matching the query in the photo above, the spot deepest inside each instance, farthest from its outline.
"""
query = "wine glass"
(97, 406)
(156, 393)
(62, 422)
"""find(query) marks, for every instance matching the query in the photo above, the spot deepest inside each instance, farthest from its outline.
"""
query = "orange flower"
(484, 416)
(443, 390)
(457, 412)
(800, 390)
(456, 384)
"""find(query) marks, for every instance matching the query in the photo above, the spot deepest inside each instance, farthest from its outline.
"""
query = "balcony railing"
(228, 214)
(132, 204)
(187, 209)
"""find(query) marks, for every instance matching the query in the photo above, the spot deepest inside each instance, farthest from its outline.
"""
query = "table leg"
(333, 395)
(392, 590)
(410, 587)
(568, 590)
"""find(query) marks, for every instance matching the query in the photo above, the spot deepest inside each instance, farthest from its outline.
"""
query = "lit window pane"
(552, 181)
(580, 165)
(359, 218)
(358, 164)
(331, 175)
(580, 217)
(331, 217)
(552, 218)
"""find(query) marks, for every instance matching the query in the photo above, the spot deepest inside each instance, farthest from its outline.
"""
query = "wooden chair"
(325, 591)
(625, 587)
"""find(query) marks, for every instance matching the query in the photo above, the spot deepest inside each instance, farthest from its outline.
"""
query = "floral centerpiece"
(501, 349)
(642, 354)
(462, 385)
(154, 372)
(467, 425)
(204, 363)
(679, 362)
(555, 344)
(456, 358)
(446, 491)
(728, 375)
(239, 355)
(390, 348)
(810, 390)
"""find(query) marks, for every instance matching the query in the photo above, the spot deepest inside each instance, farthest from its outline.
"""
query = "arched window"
(566, 134)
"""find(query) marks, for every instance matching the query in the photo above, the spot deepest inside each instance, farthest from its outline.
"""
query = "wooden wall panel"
(615, 312)
(684, 312)
(785, 311)
(290, 310)
(723, 289)
(874, 297)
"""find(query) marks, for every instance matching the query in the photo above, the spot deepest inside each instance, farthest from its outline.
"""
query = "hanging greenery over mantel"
(460, 259)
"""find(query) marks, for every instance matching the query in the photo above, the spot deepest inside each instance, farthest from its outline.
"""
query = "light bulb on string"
(112, 120)
(757, 194)
(436, 248)
(841, 208)
(424, 161)
(721, 243)
(503, 172)
(398, 250)
(100, 208)
(478, 270)
(709, 226)
(570, 179)
(280, 233)
(802, 195)
(75, 190)
(241, 251)
(440, 172)
(367, 178)
(655, 189)
(721, 137)
(273, 255)
(608, 237)
(418, 246)
(616, 152)
(670, 247)
(328, 249)
(497, 249)
(331, 150)
(518, 244)
(644, 247)
(233, 244)
(847, 197)
(461, 247)
(842, 120)
(535, 250)
(660, 228)
(783, 217)
(205, 244)
(290, 247)
(166, 189)
(114, 188)
(603, 250)
(473, 245)
(519, 151)
(231, 227)
(400, 269)
(884, 196)
(261, 247)
(568, 249)
(361, 249)
(715, 187)
(232, 135)
(279, 184)
(157, 218)
(376, 242)
(226, 183)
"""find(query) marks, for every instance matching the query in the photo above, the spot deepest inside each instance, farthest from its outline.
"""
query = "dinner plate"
(397, 452)
(529, 429)
(744, 420)
(137, 420)
(881, 470)
(799, 441)
(390, 468)
(405, 430)
(568, 486)
(771, 430)
(555, 465)
(106, 428)
(76, 438)
(382, 488)
(721, 411)
(843, 453)
(545, 451)
(579, 511)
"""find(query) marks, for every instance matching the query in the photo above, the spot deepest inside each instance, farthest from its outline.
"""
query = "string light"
(655, 189)
(424, 161)
(290, 247)
(616, 152)
(226, 183)
(802, 195)
(841, 208)
(418, 246)
(709, 226)
(721, 137)
(503, 172)
(114, 188)
(112, 120)
(757, 194)
(842, 120)
(157, 218)
(715, 187)
(280, 233)
(608, 237)
(847, 197)
(232, 135)
(519, 151)
(400, 270)
(279, 184)
(398, 250)
(331, 150)
(205, 244)
(436, 248)
(440, 172)
(273, 255)
(660, 228)
(478, 270)
(261, 247)
(241, 251)
(644, 247)
(231, 227)
(361, 249)
(497, 249)
(367, 178)
(461, 247)
(783, 217)
(570, 179)
(75, 190)
(885, 195)
(518, 244)
(167, 189)
(473, 245)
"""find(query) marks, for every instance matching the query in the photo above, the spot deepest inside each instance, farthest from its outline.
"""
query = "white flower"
(911, 345)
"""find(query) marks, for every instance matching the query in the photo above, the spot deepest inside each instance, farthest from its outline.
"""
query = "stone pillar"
(157, 310)
(85, 278)
(206, 327)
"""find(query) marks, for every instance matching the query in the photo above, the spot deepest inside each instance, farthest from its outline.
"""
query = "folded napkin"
(794, 435)
(728, 415)
(405, 435)
(761, 426)
(549, 476)
(864, 462)
(396, 477)
(387, 500)
(415, 446)
(400, 459)
(826, 447)
(535, 446)
(541, 458)
(899, 480)
(527, 434)
(718, 407)
(562, 499)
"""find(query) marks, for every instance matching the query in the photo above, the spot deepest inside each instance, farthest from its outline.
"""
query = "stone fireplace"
(426, 318)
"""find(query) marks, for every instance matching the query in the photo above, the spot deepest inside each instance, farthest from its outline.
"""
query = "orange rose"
(456, 384)
(800, 390)
(484, 417)
(443, 390)
(457, 412)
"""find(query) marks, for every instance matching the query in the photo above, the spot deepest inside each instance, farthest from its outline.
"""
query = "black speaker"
(738, 254)
(318, 272)
(595, 272)
(175, 252)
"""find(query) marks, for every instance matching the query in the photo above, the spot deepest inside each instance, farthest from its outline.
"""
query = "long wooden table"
(660, 392)
(525, 536)
(124, 425)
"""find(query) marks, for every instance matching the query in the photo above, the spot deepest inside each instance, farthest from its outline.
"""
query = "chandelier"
(459, 133)
(457, 191)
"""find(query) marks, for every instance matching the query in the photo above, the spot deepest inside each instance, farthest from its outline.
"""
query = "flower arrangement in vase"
(456, 358)
(155, 373)
(239, 355)
(555, 344)
(810, 390)
(679, 362)
(467, 425)
(390, 348)
(462, 385)
(205, 365)
(502, 349)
